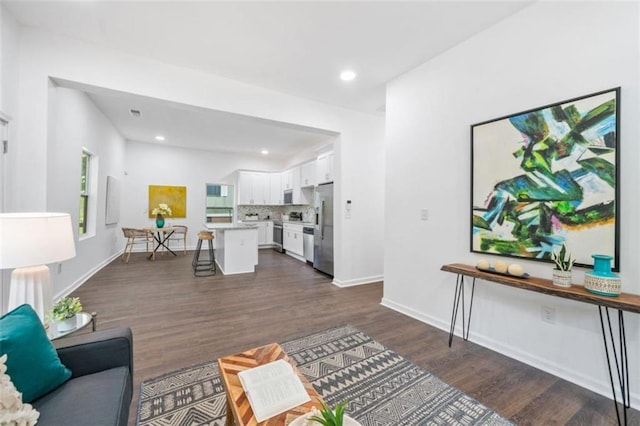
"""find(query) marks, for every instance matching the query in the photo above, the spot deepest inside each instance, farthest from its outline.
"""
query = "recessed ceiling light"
(135, 112)
(347, 75)
(160, 138)
(264, 152)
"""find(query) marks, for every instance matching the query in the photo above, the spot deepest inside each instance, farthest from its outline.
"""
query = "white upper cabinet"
(267, 188)
(324, 168)
(308, 174)
(252, 188)
(259, 188)
(275, 189)
(287, 179)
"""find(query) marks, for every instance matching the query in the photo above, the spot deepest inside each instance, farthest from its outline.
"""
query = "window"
(84, 192)
(219, 203)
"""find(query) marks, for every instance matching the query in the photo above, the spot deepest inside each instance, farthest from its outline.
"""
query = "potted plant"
(161, 211)
(329, 417)
(562, 271)
(64, 313)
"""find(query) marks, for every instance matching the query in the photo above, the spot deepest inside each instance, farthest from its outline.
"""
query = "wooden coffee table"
(238, 406)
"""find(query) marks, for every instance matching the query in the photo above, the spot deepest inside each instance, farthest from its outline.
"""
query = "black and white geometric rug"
(343, 364)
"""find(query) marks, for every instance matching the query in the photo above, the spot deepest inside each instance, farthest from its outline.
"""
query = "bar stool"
(205, 267)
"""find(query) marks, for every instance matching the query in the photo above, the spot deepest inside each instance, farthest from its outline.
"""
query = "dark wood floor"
(179, 320)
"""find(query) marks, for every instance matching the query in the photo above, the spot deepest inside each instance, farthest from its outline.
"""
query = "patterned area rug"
(343, 364)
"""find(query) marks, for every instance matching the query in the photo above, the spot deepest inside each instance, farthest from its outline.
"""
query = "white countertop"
(230, 226)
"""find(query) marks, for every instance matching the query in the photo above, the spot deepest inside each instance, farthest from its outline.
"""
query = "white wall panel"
(549, 52)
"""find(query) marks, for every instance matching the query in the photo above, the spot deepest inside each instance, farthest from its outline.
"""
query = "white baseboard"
(83, 279)
(357, 281)
(600, 387)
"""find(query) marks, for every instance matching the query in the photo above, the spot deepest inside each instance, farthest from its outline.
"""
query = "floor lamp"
(28, 242)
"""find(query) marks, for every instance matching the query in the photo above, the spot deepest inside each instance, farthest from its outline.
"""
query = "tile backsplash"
(276, 212)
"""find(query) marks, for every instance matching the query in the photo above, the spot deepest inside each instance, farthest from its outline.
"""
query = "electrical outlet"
(424, 214)
(548, 315)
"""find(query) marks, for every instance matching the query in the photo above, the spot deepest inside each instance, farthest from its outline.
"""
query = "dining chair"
(179, 233)
(136, 236)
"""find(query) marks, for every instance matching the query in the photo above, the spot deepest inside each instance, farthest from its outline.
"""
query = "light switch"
(424, 214)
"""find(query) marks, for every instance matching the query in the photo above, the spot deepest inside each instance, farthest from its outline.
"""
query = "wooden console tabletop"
(624, 302)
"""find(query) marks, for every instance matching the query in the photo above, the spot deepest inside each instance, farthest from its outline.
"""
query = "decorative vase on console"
(601, 280)
(159, 220)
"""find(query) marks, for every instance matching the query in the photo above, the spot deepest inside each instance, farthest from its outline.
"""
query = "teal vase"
(159, 221)
(601, 280)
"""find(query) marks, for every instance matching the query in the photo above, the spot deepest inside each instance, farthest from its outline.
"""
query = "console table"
(615, 344)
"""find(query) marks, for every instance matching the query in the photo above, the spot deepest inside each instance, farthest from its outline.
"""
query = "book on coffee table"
(272, 389)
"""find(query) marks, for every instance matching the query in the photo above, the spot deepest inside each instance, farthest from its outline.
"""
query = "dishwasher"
(307, 233)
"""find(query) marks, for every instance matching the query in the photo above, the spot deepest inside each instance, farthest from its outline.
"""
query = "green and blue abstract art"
(547, 177)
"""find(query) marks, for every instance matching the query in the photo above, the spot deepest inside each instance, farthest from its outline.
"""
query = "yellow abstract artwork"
(174, 196)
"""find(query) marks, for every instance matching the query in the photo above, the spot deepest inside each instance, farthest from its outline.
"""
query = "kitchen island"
(236, 247)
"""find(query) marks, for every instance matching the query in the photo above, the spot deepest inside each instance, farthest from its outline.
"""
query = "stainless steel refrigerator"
(323, 231)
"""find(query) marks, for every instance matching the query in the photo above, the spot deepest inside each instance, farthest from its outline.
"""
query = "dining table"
(161, 236)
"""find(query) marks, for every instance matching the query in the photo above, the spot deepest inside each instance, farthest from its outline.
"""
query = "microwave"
(288, 196)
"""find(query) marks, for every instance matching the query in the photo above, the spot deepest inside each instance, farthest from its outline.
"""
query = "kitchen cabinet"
(303, 196)
(269, 231)
(308, 174)
(236, 247)
(293, 239)
(265, 232)
(262, 233)
(275, 189)
(300, 195)
(287, 179)
(324, 168)
(252, 188)
(291, 178)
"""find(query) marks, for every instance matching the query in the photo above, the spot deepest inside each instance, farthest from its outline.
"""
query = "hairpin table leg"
(620, 359)
(458, 296)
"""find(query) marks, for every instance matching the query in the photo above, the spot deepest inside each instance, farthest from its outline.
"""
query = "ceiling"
(297, 48)
(193, 127)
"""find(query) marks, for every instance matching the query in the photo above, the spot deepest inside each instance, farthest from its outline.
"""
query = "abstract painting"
(547, 177)
(174, 196)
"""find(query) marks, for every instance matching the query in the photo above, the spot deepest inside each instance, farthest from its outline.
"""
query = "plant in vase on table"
(329, 417)
(161, 211)
(64, 313)
(562, 271)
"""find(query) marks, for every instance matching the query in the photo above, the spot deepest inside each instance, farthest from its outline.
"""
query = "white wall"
(151, 164)
(549, 52)
(76, 123)
(9, 34)
(359, 152)
(9, 81)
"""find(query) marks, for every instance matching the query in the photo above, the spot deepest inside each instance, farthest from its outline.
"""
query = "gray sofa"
(101, 385)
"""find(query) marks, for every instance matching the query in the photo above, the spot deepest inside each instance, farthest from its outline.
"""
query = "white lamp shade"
(32, 239)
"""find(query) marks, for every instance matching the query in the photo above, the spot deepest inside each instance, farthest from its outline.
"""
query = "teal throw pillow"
(32, 363)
